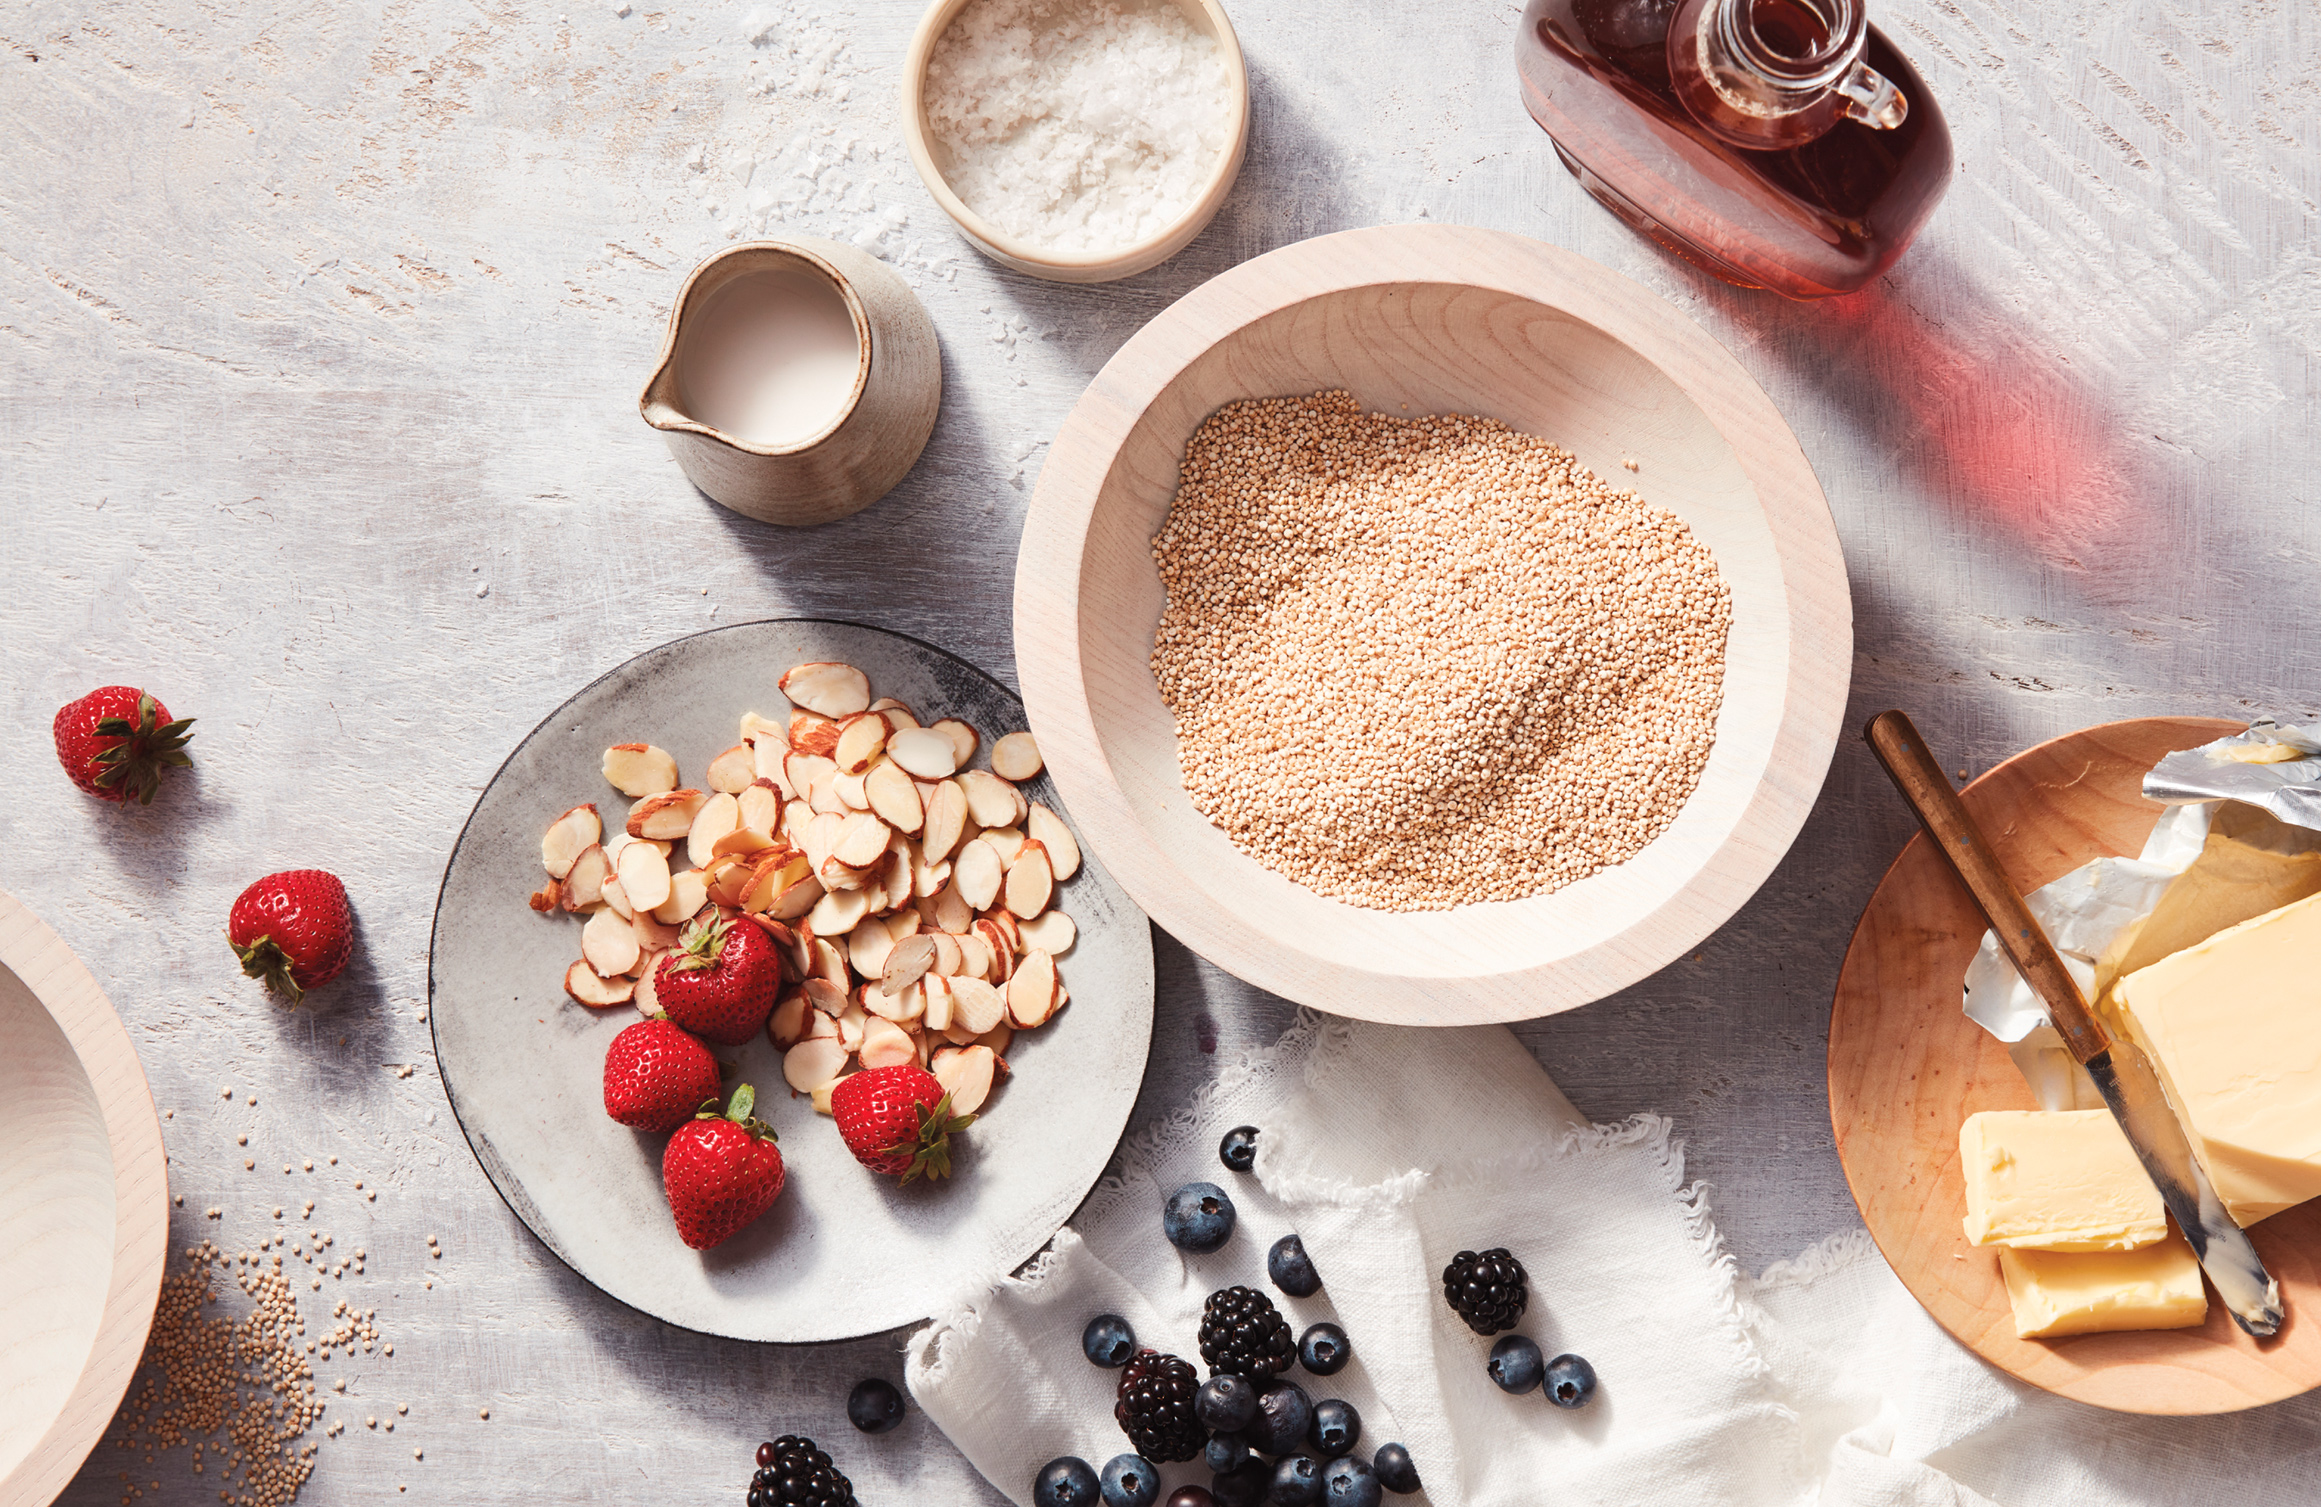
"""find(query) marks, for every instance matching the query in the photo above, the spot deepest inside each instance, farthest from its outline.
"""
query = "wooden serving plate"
(1906, 1067)
(1435, 319)
(84, 1210)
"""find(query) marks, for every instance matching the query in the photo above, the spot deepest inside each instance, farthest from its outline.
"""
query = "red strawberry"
(720, 981)
(722, 1171)
(293, 930)
(116, 740)
(656, 1077)
(897, 1121)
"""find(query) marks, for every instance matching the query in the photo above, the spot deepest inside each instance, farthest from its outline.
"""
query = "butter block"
(2056, 1180)
(2233, 1027)
(2055, 1293)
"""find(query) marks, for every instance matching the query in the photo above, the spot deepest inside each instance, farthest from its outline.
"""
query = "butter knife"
(2121, 1072)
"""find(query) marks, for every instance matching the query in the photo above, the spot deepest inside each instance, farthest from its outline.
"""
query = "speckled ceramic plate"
(842, 1254)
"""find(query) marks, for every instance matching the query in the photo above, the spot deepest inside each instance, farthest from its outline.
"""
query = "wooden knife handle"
(1955, 834)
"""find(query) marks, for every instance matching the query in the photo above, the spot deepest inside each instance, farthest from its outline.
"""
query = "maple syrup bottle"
(1781, 144)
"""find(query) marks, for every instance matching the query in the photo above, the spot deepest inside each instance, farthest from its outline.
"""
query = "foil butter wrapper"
(2241, 836)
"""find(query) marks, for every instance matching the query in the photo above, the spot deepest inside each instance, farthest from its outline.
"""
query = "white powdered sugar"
(1078, 126)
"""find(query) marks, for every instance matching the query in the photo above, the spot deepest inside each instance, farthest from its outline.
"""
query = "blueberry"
(1570, 1381)
(1284, 1414)
(1108, 1341)
(1225, 1404)
(874, 1406)
(1290, 1269)
(1336, 1428)
(1395, 1472)
(1238, 1151)
(1324, 1350)
(1349, 1483)
(1130, 1481)
(1297, 1481)
(1191, 1496)
(1224, 1452)
(1246, 1485)
(1066, 1482)
(1516, 1364)
(1198, 1217)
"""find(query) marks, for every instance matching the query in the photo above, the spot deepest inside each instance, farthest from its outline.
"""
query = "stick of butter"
(2056, 1180)
(2233, 1026)
(2055, 1293)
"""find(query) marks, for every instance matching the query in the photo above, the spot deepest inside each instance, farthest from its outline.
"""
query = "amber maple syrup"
(1780, 144)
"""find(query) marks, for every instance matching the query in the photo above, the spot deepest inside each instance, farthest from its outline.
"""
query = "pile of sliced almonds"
(911, 896)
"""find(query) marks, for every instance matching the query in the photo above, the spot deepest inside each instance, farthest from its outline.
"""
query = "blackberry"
(1156, 1407)
(1486, 1290)
(800, 1475)
(1242, 1334)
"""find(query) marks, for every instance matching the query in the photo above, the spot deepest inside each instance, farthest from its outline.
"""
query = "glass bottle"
(1781, 144)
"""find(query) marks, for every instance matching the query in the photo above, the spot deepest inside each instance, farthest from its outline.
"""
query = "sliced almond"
(770, 874)
(884, 1044)
(648, 977)
(1006, 842)
(609, 943)
(838, 911)
(616, 899)
(852, 1021)
(797, 816)
(1052, 933)
(832, 689)
(946, 819)
(978, 873)
(755, 725)
(639, 769)
(802, 772)
(899, 715)
(1031, 883)
(567, 837)
(768, 753)
(903, 1005)
(786, 1027)
(976, 1005)
(1015, 757)
(992, 801)
(1063, 848)
(1031, 993)
(905, 962)
(666, 817)
(861, 840)
(743, 842)
(822, 1093)
(824, 797)
(999, 1038)
(730, 772)
(653, 934)
(644, 875)
(895, 797)
(894, 873)
(905, 923)
(829, 962)
(584, 885)
(688, 892)
(958, 1035)
(975, 955)
(813, 735)
(928, 879)
(820, 836)
(717, 818)
(867, 947)
(796, 961)
(825, 996)
(861, 739)
(583, 983)
(966, 1076)
(952, 914)
(838, 876)
(548, 896)
(1007, 928)
(939, 1002)
(758, 805)
(821, 1027)
(947, 954)
(810, 1064)
(850, 792)
(964, 740)
(924, 751)
(797, 898)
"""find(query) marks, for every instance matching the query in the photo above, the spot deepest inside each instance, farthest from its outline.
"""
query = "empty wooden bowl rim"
(716, 271)
(1918, 1029)
(47, 967)
(1128, 259)
(1811, 587)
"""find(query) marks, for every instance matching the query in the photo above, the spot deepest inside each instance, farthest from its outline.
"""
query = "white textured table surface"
(323, 328)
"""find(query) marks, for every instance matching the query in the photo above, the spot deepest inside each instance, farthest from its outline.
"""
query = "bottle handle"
(1872, 99)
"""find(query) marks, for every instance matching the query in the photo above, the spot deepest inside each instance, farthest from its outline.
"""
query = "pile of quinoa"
(1420, 663)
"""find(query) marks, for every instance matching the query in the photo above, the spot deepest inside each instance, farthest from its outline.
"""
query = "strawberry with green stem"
(720, 981)
(115, 741)
(656, 1077)
(721, 1171)
(294, 930)
(897, 1121)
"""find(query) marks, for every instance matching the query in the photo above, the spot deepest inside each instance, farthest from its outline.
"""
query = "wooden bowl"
(84, 1202)
(1906, 1067)
(1028, 256)
(1442, 319)
(877, 434)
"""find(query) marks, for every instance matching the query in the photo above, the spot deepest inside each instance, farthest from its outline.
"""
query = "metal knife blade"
(2119, 1068)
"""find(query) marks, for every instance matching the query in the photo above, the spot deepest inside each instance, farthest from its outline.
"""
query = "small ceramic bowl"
(878, 432)
(1030, 256)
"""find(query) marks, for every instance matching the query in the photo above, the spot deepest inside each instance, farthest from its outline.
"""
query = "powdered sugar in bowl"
(1077, 140)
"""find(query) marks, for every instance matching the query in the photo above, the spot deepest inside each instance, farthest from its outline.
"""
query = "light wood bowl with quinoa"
(1415, 320)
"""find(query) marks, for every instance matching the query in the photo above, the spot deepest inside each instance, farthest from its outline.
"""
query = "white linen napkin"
(1387, 1151)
